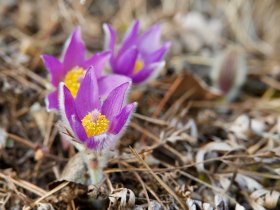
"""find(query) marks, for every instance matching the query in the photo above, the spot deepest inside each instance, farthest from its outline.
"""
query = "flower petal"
(91, 143)
(69, 114)
(126, 62)
(148, 72)
(97, 143)
(110, 37)
(114, 102)
(54, 67)
(98, 61)
(88, 94)
(157, 55)
(119, 122)
(66, 104)
(130, 37)
(108, 83)
(74, 50)
(78, 128)
(52, 101)
(149, 41)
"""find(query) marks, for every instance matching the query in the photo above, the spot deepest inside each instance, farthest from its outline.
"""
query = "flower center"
(138, 66)
(73, 78)
(95, 123)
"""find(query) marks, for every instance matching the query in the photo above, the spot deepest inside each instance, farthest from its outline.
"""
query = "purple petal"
(78, 128)
(98, 142)
(158, 54)
(109, 43)
(75, 51)
(108, 83)
(101, 142)
(114, 102)
(108, 143)
(92, 144)
(98, 61)
(110, 37)
(54, 67)
(88, 94)
(52, 101)
(119, 122)
(66, 104)
(67, 108)
(150, 40)
(126, 62)
(130, 37)
(148, 72)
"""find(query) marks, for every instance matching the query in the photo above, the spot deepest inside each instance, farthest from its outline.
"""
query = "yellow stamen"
(95, 123)
(72, 80)
(138, 66)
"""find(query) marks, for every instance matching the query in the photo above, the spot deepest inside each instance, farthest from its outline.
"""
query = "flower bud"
(229, 72)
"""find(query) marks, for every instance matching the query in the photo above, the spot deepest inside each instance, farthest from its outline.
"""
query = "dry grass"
(187, 147)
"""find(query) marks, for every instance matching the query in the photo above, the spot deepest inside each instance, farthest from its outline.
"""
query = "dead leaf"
(220, 203)
(45, 206)
(247, 183)
(122, 198)
(154, 205)
(201, 91)
(212, 147)
(239, 207)
(198, 205)
(75, 171)
(266, 198)
(243, 127)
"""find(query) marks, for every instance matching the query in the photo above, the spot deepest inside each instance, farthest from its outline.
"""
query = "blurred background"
(222, 76)
(200, 31)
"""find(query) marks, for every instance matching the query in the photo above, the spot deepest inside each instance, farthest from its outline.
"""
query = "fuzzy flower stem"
(95, 165)
(96, 173)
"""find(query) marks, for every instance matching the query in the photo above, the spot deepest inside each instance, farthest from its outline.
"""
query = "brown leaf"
(122, 198)
(75, 171)
(201, 91)
(212, 147)
(266, 198)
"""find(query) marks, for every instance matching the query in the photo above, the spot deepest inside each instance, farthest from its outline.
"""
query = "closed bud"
(229, 72)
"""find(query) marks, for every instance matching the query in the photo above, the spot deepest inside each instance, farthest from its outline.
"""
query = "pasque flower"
(95, 123)
(72, 69)
(139, 56)
(229, 71)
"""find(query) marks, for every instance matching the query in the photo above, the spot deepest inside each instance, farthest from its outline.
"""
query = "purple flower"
(96, 123)
(72, 68)
(139, 56)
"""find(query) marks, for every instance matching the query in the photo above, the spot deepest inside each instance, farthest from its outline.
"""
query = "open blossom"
(95, 123)
(72, 69)
(139, 56)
